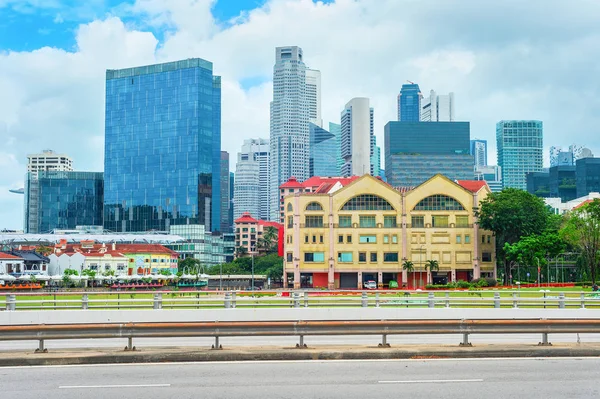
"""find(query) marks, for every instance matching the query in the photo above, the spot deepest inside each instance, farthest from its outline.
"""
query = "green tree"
(241, 251)
(188, 265)
(512, 214)
(535, 250)
(431, 266)
(582, 229)
(269, 239)
(70, 272)
(410, 268)
(44, 250)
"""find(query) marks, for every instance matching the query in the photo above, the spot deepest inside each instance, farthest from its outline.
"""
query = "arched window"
(439, 202)
(314, 206)
(367, 202)
(290, 208)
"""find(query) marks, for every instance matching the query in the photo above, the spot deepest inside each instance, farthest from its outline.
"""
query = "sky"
(509, 59)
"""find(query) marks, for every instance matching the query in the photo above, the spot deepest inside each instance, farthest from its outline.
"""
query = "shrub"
(463, 284)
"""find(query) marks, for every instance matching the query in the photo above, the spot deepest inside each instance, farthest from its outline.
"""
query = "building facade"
(324, 150)
(520, 145)
(210, 249)
(249, 233)
(62, 200)
(49, 161)
(415, 152)
(438, 108)
(313, 96)
(588, 176)
(225, 226)
(367, 230)
(162, 147)
(251, 187)
(290, 134)
(336, 130)
(357, 137)
(479, 152)
(409, 103)
(492, 175)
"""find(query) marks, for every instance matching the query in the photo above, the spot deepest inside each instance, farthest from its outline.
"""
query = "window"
(290, 223)
(439, 202)
(345, 221)
(394, 239)
(373, 256)
(289, 257)
(483, 239)
(340, 239)
(389, 221)
(367, 202)
(367, 239)
(439, 221)
(418, 221)
(306, 239)
(386, 239)
(290, 208)
(314, 206)
(314, 239)
(367, 221)
(321, 239)
(344, 256)
(362, 256)
(314, 256)
(486, 257)
(458, 239)
(349, 239)
(313, 221)
(462, 221)
(467, 239)
(489, 239)
(390, 256)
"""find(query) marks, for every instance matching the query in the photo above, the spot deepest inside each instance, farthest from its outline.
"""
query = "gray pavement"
(498, 378)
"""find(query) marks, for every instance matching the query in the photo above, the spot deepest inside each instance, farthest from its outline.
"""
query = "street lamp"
(420, 261)
(252, 272)
(221, 277)
(538, 265)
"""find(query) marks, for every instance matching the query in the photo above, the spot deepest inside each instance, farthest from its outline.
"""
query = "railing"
(273, 299)
(216, 330)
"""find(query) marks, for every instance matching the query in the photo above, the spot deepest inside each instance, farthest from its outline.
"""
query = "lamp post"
(420, 260)
(252, 272)
(220, 276)
(538, 265)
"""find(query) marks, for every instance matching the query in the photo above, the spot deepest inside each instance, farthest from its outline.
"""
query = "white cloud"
(509, 59)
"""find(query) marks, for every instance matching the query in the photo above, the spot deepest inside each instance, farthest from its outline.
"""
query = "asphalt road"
(465, 379)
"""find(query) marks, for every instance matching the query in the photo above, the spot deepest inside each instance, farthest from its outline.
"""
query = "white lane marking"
(428, 381)
(114, 386)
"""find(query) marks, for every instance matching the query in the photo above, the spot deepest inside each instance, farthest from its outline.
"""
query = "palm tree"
(241, 251)
(410, 268)
(269, 239)
(431, 266)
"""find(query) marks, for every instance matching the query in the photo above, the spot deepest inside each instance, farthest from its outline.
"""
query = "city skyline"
(469, 70)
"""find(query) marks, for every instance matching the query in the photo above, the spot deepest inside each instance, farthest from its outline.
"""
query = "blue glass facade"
(63, 200)
(520, 144)
(336, 130)
(162, 146)
(417, 151)
(409, 103)
(587, 176)
(324, 150)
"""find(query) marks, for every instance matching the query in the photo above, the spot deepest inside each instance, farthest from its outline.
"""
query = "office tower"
(438, 108)
(492, 175)
(376, 160)
(48, 160)
(323, 152)
(290, 135)
(479, 152)
(416, 151)
(62, 200)
(357, 137)
(409, 103)
(520, 150)
(313, 96)
(251, 193)
(587, 172)
(231, 194)
(225, 227)
(162, 166)
(336, 130)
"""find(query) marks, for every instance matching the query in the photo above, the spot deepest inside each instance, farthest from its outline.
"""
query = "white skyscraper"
(313, 96)
(438, 108)
(290, 134)
(48, 160)
(357, 137)
(250, 193)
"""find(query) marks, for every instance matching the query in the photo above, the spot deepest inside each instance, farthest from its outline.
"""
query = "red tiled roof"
(9, 256)
(270, 224)
(583, 203)
(114, 254)
(292, 183)
(145, 248)
(472, 185)
(246, 218)
(316, 181)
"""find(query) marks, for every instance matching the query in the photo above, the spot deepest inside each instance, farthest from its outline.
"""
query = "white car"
(370, 285)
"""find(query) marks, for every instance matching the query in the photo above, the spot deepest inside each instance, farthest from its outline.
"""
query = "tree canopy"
(582, 229)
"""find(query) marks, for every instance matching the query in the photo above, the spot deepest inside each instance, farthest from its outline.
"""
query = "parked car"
(370, 285)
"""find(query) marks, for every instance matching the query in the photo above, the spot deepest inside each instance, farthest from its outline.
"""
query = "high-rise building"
(162, 147)
(290, 133)
(479, 152)
(323, 152)
(62, 200)
(587, 176)
(48, 161)
(336, 130)
(225, 227)
(231, 194)
(313, 96)
(492, 175)
(357, 137)
(376, 160)
(251, 192)
(520, 147)
(416, 151)
(438, 108)
(409, 103)
(558, 157)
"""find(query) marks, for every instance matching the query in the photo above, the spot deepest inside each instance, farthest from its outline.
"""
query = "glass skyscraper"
(62, 200)
(162, 147)
(323, 152)
(520, 150)
(409, 103)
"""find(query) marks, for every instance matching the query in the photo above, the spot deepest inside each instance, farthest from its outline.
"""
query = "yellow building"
(366, 230)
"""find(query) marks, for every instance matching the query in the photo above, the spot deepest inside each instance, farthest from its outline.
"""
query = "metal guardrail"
(301, 329)
(257, 299)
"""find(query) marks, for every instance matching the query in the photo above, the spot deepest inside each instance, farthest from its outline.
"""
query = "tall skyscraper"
(479, 152)
(290, 134)
(409, 103)
(357, 137)
(313, 96)
(48, 161)
(323, 152)
(250, 193)
(438, 108)
(376, 161)
(225, 227)
(416, 151)
(520, 146)
(336, 130)
(162, 147)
